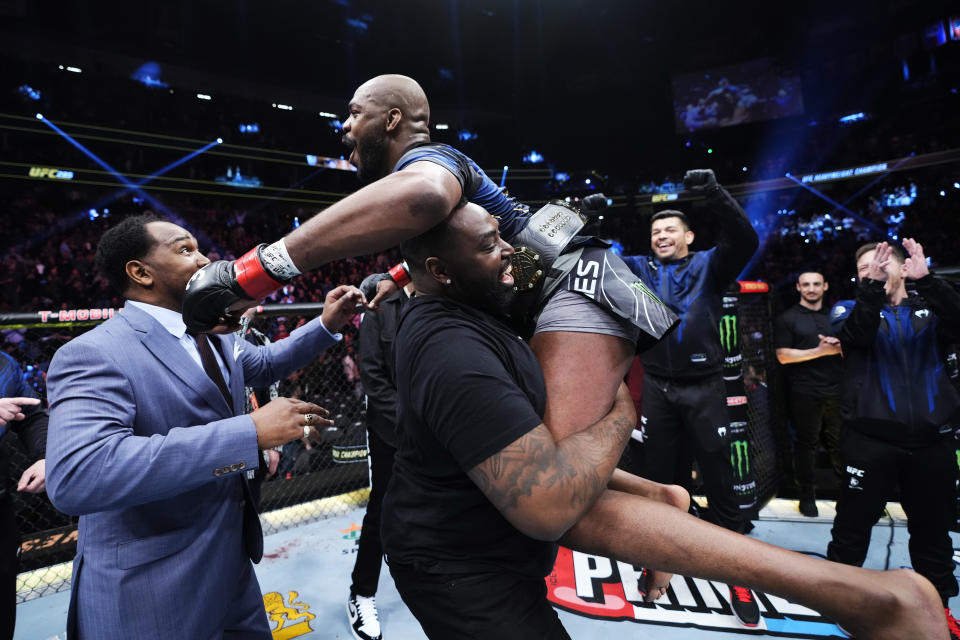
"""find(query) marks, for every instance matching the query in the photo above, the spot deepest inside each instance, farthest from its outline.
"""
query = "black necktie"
(211, 367)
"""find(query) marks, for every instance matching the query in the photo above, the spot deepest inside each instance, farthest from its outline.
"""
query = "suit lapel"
(226, 345)
(171, 354)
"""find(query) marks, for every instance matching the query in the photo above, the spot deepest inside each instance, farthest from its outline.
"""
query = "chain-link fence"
(316, 479)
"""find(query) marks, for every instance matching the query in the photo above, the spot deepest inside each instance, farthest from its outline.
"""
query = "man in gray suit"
(149, 445)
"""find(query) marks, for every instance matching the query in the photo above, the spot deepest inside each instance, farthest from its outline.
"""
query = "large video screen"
(726, 96)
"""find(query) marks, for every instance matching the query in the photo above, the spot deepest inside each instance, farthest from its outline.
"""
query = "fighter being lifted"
(415, 184)
(596, 317)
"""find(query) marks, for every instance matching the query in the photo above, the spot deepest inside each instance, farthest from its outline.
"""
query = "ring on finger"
(306, 431)
(308, 418)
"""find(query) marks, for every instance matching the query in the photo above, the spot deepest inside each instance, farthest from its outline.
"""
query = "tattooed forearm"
(543, 486)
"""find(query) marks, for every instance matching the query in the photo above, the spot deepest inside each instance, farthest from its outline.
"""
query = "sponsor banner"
(347, 454)
(605, 589)
(735, 401)
(748, 286)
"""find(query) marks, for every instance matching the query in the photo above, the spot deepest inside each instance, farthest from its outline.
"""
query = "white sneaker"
(364, 622)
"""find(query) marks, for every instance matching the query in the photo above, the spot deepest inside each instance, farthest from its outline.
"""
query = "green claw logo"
(728, 333)
(740, 458)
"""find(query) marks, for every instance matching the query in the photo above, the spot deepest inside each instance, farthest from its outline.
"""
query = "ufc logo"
(855, 472)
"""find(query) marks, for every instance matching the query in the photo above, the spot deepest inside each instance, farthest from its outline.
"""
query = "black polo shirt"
(798, 328)
(467, 386)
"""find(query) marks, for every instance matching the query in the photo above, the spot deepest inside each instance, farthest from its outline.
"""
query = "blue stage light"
(533, 157)
(561, 177)
(687, 143)
(609, 202)
(28, 92)
(148, 74)
(219, 140)
(853, 117)
(943, 193)
(39, 116)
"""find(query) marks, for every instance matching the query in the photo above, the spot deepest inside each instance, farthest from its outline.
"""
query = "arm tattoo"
(570, 474)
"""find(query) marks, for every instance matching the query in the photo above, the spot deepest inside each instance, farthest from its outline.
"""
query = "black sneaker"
(808, 508)
(744, 606)
(364, 622)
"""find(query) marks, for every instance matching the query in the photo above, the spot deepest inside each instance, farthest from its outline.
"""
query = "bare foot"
(656, 582)
(894, 605)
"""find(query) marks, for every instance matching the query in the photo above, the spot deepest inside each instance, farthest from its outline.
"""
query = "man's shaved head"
(394, 91)
(388, 115)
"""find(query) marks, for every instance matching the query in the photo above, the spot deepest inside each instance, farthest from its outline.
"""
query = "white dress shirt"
(173, 322)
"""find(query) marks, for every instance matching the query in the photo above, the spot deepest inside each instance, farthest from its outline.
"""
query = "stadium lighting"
(587, 181)
(441, 126)
(73, 69)
(956, 185)
(282, 107)
(942, 192)
(744, 168)
(39, 116)
(219, 140)
(710, 150)
(204, 96)
(327, 114)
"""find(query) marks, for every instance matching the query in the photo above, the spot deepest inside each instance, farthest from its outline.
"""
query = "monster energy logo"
(740, 458)
(646, 290)
(728, 332)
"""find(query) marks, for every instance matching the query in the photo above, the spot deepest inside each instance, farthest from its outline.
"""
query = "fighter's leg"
(583, 372)
(881, 605)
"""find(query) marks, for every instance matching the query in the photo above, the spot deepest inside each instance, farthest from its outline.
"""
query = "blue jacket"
(895, 385)
(146, 450)
(693, 288)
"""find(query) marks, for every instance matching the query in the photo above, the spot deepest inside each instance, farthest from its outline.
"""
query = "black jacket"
(32, 429)
(377, 372)
(896, 386)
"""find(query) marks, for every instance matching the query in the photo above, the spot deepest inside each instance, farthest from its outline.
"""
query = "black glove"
(369, 285)
(701, 181)
(593, 204)
(210, 293)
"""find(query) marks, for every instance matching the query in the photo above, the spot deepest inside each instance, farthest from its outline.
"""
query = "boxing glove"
(216, 289)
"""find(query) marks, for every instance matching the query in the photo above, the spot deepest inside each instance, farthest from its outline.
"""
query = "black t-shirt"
(467, 386)
(798, 328)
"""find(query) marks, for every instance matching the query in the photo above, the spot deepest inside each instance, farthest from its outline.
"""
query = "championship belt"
(540, 242)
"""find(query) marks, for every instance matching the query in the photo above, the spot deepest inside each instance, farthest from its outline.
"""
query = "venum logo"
(291, 620)
(604, 589)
